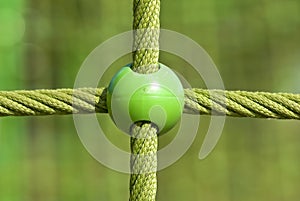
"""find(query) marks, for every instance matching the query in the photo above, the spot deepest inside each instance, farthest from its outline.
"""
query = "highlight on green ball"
(157, 98)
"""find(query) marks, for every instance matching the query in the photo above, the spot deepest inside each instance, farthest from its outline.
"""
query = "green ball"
(157, 98)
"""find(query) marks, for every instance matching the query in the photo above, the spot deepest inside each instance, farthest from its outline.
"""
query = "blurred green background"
(256, 46)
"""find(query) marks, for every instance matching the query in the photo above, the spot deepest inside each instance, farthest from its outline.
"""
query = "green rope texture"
(144, 140)
(144, 143)
(146, 38)
(50, 102)
(197, 101)
(243, 103)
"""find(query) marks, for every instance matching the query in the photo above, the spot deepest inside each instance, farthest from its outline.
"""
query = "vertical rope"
(144, 140)
(146, 38)
(144, 144)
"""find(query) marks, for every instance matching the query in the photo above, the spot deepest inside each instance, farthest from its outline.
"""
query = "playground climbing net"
(143, 183)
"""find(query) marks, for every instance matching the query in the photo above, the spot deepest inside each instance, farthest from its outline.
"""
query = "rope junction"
(146, 23)
(197, 101)
(144, 139)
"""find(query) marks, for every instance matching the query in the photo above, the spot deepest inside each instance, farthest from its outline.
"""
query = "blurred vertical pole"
(43, 181)
(280, 18)
(202, 23)
(31, 64)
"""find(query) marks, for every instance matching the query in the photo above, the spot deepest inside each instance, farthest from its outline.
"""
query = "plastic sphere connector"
(157, 98)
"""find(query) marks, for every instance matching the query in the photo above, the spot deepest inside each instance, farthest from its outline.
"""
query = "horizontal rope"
(243, 103)
(197, 101)
(50, 102)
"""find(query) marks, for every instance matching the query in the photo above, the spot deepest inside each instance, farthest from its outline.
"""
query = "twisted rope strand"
(50, 102)
(242, 103)
(197, 101)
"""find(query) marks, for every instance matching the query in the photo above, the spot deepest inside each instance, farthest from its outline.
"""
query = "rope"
(50, 102)
(146, 38)
(144, 140)
(243, 104)
(144, 144)
(197, 101)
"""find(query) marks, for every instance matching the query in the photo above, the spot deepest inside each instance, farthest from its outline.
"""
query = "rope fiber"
(51, 102)
(144, 139)
(144, 143)
(197, 101)
(146, 37)
(242, 104)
